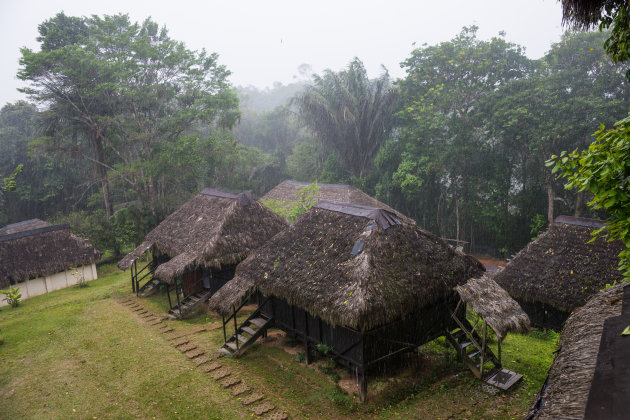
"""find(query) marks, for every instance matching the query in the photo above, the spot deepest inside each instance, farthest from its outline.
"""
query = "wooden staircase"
(189, 304)
(473, 350)
(245, 334)
(149, 287)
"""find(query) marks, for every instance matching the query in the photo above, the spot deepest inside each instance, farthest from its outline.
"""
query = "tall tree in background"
(114, 90)
(440, 160)
(350, 114)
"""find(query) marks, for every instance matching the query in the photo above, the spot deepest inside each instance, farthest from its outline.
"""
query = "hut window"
(357, 248)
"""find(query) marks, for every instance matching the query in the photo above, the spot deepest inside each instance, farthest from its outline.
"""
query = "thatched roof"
(288, 191)
(586, 13)
(560, 268)
(571, 373)
(494, 305)
(214, 229)
(30, 224)
(351, 265)
(28, 253)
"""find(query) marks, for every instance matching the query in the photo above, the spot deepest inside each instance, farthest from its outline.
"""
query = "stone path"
(207, 361)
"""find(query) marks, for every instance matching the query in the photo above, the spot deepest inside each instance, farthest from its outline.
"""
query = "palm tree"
(350, 114)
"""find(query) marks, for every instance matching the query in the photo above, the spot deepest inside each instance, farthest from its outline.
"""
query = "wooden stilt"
(362, 387)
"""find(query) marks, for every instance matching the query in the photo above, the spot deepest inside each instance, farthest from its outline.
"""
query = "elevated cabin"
(195, 250)
(589, 375)
(289, 191)
(352, 278)
(560, 270)
(39, 258)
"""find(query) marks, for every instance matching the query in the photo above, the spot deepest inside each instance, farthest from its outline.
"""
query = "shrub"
(12, 296)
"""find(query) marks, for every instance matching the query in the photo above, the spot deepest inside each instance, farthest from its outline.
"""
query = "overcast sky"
(263, 41)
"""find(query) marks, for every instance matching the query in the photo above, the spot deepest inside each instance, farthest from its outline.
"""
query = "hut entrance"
(191, 282)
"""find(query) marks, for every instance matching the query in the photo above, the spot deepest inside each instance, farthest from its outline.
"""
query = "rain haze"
(265, 42)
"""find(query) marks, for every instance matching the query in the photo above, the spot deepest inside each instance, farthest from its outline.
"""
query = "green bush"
(12, 296)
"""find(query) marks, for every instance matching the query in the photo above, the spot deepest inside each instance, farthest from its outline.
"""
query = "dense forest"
(123, 124)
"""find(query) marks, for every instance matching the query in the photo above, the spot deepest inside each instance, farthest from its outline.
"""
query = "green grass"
(77, 353)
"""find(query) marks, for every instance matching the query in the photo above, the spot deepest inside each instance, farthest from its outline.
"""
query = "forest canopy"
(125, 123)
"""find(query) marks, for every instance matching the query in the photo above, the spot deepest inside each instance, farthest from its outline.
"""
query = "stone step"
(211, 367)
(240, 389)
(252, 398)
(230, 381)
(194, 353)
(220, 374)
(263, 408)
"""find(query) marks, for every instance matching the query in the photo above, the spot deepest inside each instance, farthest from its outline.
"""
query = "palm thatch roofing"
(213, 229)
(289, 191)
(25, 225)
(37, 249)
(494, 305)
(350, 265)
(560, 268)
(587, 13)
(571, 374)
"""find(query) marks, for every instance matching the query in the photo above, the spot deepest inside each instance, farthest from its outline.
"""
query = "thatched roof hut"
(289, 191)
(560, 269)
(569, 381)
(34, 248)
(213, 229)
(350, 265)
(502, 313)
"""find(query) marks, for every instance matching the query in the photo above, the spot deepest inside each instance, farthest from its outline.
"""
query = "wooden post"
(499, 352)
(235, 328)
(307, 357)
(362, 387)
(483, 348)
(133, 282)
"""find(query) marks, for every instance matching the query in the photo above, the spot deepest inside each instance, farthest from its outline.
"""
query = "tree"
(349, 114)
(604, 170)
(607, 14)
(442, 154)
(557, 108)
(114, 89)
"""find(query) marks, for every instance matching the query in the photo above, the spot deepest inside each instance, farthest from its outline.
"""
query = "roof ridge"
(383, 217)
(34, 232)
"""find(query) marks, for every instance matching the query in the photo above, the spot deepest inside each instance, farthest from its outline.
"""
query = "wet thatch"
(586, 14)
(350, 265)
(494, 305)
(288, 191)
(560, 268)
(213, 229)
(26, 225)
(37, 252)
(571, 373)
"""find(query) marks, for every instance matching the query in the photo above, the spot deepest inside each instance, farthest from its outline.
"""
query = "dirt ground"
(492, 264)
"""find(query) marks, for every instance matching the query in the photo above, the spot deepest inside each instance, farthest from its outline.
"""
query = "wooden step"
(231, 345)
(248, 330)
(242, 338)
(473, 354)
(465, 344)
(259, 322)
(226, 351)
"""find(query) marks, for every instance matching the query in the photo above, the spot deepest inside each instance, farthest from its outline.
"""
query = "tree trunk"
(579, 204)
(101, 172)
(550, 198)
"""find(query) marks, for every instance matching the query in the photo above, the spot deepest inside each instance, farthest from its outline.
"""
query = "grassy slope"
(78, 353)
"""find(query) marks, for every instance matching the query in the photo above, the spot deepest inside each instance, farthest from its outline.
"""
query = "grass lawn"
(80, 353)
